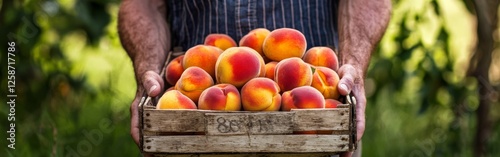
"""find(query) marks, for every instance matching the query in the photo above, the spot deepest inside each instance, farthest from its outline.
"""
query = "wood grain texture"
(247, 143)
(174, 120)
(248, 155)
(321, 119)
(239, 123)
(249, 123)
(202, 132)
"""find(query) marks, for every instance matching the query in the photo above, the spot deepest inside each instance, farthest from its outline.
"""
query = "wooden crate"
(244, 133)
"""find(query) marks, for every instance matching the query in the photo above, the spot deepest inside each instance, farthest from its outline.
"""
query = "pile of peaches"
(266, 71)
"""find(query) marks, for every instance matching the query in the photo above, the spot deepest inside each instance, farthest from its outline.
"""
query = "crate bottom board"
(247, 144)
(249, 155)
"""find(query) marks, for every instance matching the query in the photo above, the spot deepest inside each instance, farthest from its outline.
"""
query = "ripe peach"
(261, 94)
(174, 70)
(325, 80)
(254, 39)
(193, 81)
(332, 103)
(221, 41)
(170, 88)
(269, 68)
(302, 97)
(237, 65)
(292, 72)
(173, 99)
(202, 56)
(322, 56)
(262, 65)
(284, 43)
(220, 97)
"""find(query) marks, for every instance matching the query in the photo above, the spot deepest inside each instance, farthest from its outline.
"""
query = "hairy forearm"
(361, 26)
(144, 34)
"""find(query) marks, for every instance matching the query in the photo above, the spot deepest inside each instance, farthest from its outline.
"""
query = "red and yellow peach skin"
(332, 103)
(238, 65)
(221, 41)
(202, 56)
(284, 43)
(270, 68)
(322, 56)
(292, 72)
(223, 97)
(325, 80)
(174, 70)
(173, 99)
(255, 39)
(193, 81)
(301, 98)
(261, 94)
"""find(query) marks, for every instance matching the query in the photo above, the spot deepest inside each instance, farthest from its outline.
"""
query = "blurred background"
(433, 83)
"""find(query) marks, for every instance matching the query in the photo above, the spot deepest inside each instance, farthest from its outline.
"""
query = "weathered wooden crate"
(243, 133)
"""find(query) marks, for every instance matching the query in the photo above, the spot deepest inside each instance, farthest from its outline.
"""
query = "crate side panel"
(249, 155)
(247, 144)
(226, 124)
(269, 123)
(321, 119)
(174, 121)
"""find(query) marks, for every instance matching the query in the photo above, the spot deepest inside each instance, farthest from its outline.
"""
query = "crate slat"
(174, 120)
(246, 143)
(247, 155)
(239, 123)
(321, 119)
(249, 123)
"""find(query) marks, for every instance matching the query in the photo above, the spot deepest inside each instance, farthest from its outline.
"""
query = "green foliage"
(75, 83)
(421, 102)
(65, 103)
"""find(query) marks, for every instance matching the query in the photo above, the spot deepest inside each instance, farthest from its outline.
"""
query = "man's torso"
(191, 21)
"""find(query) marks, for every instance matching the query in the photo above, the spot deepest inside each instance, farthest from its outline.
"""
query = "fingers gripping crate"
(243, 133)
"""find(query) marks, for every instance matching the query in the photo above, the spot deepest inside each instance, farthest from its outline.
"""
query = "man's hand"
(153, 84)
(361, 26)
(145, 35)
(352, 82)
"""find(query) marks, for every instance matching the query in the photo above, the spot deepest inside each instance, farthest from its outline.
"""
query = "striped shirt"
(192, 20)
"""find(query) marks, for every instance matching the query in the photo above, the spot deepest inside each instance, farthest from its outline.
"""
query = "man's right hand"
(145, 35)
(153, 85)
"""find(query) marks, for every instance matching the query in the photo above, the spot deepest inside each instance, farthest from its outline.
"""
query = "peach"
(301, 98)
(202, 56)
(221, 41)
(284, 43)
(174, 70)
(255, 39)
(193, 81)
(173, 99)
(220, 97)
(269, 68)
(325, 80)
(170, 88)
(332, 103)
(322, 56)
(261, 94)
(292, 72)
(262, 64)
(238, 65)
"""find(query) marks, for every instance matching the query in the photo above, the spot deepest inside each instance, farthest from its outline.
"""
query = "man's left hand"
(352, 82)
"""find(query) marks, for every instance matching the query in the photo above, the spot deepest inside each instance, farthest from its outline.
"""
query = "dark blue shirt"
(192, 20)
